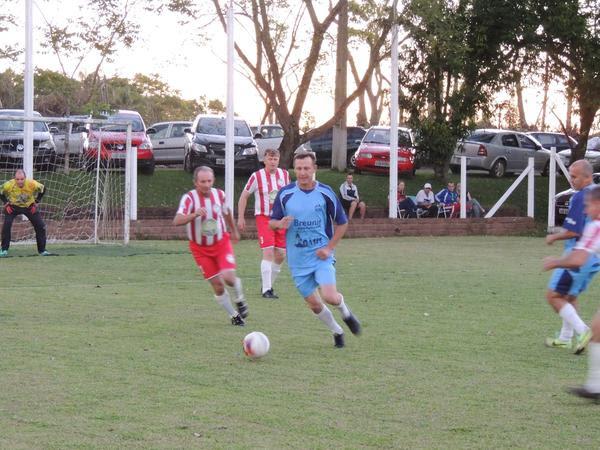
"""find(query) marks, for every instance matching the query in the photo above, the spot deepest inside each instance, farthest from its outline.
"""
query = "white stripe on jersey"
(206, 230)
(265, 187)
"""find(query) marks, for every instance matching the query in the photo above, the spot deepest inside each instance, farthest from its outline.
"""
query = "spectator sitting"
(426, 201)
(448, 198)
(405, 203)
(350, 199)
(474, 208)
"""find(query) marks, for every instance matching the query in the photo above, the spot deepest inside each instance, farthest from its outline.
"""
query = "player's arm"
(242, 202)
(41, 192)
(562, 236)
(228, 216)
(572, 260)
(279, 221)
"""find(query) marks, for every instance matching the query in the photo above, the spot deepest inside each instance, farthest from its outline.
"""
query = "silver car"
(168, 141)
(500, 152)
(77, 138)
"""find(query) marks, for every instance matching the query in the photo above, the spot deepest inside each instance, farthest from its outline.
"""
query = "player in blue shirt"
(315, 222)
(566, 284)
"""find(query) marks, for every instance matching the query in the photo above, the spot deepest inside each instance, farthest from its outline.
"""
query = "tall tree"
(570, 34)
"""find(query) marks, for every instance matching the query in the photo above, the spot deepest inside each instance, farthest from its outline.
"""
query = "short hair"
(593, 194)
(202, 169)
(272, 151)
(22, 171)
(586, 168)
(303, 155)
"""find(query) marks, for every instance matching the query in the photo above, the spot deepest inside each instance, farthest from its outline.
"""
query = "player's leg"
(6, 231)
(307, 286)
(223, 298)
(278, 256)
(226, 262)
(352, 208)
(325, 277)
(591, 388)
(266, 241)
(40, 230)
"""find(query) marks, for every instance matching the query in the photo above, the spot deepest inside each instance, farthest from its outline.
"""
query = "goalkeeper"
(21, 196)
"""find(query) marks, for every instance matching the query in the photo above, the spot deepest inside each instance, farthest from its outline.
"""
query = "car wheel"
(187, 163)
(498, 170)
(148, 170)
(546, 170)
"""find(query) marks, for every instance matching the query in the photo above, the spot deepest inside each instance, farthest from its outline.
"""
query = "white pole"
(134, 176)
(229, 131)
(392, 204)
(551, 189)
(97, 194)
(128, 197)
(28, 91)
(463, 187)
(530, 188)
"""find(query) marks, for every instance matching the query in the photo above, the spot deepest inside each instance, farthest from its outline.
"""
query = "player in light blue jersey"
(567, 284)
(315, 223)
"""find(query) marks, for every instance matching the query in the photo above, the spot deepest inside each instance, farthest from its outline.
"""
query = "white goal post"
(90, 196)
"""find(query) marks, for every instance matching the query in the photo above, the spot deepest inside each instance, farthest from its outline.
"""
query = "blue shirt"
(314, 211)
(447, 197)
(576, 218)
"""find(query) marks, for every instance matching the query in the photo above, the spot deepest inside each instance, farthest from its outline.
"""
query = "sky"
(197, 67)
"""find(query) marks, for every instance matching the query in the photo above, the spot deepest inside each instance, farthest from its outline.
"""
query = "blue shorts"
(307, 283)
(573, 282)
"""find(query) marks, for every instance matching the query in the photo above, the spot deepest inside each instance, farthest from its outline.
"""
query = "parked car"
(78, 137)
(206, 145)
(562, 201)
(500, 152)
(556, 140)
(373, 154)
(592, 154)
(322, 145)
(267, 136)
(12, 146)
(168, 141)
(113, 139)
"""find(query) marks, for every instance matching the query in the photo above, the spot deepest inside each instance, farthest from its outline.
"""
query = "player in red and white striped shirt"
(265, 184)
(206, 216)
(587, 245)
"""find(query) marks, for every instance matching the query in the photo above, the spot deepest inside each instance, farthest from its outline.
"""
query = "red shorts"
(268, 237)
(214, 259)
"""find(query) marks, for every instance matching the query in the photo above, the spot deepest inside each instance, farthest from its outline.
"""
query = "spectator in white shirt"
(350, 199)
(426, 201)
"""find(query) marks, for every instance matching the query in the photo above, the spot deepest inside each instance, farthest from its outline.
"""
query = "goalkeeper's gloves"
(8, 209)
(33, 208)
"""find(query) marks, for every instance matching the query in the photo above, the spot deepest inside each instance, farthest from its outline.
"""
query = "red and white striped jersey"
(265, 187)
(210, 229)
(590, 240)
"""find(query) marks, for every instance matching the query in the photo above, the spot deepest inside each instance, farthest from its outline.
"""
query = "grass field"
(113, 347)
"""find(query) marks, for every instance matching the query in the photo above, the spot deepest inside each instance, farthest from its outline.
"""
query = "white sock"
(275, 269)
(225, 302)
(593, 381)
(327, 318)
(569, 315)
(342, 308)
(239, 291)
(265, 271)
(566, 332)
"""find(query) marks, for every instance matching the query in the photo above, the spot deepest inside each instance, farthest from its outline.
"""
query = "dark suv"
(12, 147)
(206, 145)
(322, 145)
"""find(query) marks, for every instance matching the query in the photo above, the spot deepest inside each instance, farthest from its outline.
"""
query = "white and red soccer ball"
(256, 344)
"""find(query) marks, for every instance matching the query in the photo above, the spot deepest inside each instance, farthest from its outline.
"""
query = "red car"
(114, 141)
(373, 155)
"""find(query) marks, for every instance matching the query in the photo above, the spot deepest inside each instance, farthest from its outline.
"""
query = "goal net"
(86, 191)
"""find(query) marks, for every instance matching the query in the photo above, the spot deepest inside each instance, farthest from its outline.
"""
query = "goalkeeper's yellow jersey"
(23, 197)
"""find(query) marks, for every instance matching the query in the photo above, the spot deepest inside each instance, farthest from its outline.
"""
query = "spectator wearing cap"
(426, 201)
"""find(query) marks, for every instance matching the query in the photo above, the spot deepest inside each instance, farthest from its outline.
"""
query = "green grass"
(113, 347)
(165, 188)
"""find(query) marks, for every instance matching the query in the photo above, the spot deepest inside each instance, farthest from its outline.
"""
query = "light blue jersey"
(315, 212)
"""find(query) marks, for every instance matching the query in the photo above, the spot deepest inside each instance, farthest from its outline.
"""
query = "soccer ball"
(256, 344)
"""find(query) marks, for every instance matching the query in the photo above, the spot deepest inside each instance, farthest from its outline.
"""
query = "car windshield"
(136, 123)
(479, 136)
(12, 126)
(217, 126)
(382, 136)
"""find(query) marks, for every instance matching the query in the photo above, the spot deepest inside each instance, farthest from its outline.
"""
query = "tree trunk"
(339, 141)
(291, 140)
(520, 105)
(569, 118)
(587, 113)
(546, 88)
